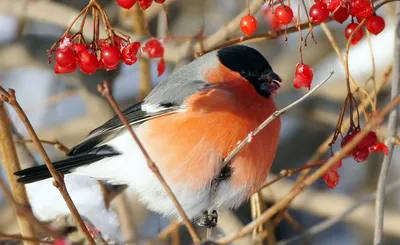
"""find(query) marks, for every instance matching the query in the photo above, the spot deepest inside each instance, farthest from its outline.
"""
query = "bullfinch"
(188, 124)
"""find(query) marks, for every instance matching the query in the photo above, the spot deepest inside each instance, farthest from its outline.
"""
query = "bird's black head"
(253, 66)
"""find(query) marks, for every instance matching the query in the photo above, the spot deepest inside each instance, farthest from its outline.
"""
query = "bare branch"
(10, 98)
(392, 128)
(105, 91)
(11, 164)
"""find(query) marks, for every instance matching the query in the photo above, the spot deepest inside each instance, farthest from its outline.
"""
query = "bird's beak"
(270, 82)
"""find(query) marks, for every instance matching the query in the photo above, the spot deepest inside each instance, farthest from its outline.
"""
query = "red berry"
(64, 70)
(269, 17)
(145, 4)
(79, 47)
(126, 4)
(248, 24)
(341, 14)
(65, 57)
(379, 147)
(119, 42)
(347, 139)
(159, 1)
(110, 56)
(154, 48)
(360, 155)
(375, 24)
(129, 53)
(87, 61)
(161, 67)
(361, 8)
(284, 14)
(301, 81)
(305, 70)
(303, 76)
(369, 140)
(319, 13)
(331, 178)
(350, 29)
(332, 5)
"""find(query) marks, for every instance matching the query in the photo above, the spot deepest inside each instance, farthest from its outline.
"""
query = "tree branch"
(11, 164)
(105, 91)
(373, 123)
(10, 98)
(392, 128)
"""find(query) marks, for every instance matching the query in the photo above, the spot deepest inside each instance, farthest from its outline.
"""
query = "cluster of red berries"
(283, 15)
(144, 4)
(70, 55)
(360, 153)
(303, 76)
(341, 10)
(367, 145)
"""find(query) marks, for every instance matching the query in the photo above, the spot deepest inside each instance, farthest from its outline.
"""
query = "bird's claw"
(208, 220)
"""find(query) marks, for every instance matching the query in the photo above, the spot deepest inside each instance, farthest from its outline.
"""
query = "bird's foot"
(208, 220)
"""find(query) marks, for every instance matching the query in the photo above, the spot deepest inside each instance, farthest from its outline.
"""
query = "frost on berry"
(65, 43)
(331, 178)
(248, 25)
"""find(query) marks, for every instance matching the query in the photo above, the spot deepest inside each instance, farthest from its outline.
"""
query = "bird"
(189, 123)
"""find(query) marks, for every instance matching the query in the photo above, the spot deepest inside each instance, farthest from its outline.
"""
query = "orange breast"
(188, 147)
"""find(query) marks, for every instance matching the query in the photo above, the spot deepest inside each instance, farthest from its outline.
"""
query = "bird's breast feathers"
(213, 123)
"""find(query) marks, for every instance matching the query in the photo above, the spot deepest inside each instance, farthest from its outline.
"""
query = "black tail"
(37, 173)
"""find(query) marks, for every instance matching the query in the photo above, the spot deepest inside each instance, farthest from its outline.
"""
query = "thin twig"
(11, 164)
(373, 123)
(274, 115)
(57, 144)
(326, 224)
(10, 98)
(392, 127)
(23, 239)
(105, 91)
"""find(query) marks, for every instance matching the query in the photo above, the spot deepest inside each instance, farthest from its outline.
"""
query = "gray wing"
(166, 98)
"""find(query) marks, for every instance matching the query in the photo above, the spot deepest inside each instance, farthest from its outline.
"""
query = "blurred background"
(67, 107)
